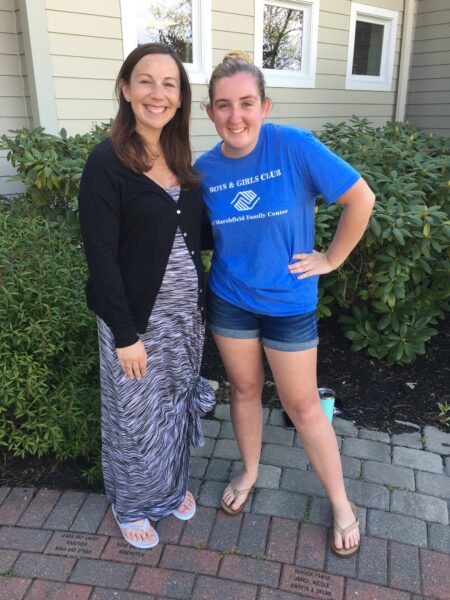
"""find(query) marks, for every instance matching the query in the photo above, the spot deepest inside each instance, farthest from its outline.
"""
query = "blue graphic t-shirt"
(261, 208)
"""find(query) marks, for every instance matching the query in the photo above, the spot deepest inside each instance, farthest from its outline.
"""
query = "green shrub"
(395, 285)
(50, 166)
(48, 345)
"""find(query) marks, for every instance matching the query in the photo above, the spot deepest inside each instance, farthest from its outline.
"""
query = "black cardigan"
(128, 225)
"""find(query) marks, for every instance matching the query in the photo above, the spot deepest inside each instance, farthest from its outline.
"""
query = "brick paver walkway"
(67, 546)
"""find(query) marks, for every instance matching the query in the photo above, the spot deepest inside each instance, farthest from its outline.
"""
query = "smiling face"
(154, 93)
(238, 112)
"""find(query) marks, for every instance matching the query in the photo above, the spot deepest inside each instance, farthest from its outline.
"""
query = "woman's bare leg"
(295, 377)
(242, 360)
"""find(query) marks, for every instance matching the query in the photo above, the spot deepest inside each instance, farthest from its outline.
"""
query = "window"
(286, 41)
(371, 48)
(183, 24)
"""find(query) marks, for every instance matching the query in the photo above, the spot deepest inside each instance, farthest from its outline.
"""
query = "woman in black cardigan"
(141, 221)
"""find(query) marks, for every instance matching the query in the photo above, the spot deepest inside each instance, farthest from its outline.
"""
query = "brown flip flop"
(346, 552)
(231, 511)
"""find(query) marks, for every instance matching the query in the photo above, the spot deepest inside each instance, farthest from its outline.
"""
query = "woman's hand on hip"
(133, 360)
(315, 263)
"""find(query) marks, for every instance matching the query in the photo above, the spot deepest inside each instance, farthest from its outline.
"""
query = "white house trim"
(389, 20)
(409, 17)
(38, 63)
(198, 71)
(306, 78)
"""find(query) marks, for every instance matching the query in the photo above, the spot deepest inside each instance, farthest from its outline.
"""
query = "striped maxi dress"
(148, 425)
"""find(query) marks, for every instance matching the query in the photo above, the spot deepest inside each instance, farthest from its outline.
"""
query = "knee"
(247, 391)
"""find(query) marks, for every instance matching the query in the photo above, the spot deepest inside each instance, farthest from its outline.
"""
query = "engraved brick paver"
(32, 566)
(225, 532)
(65, 511)
(117, 549)
(435, 568)
(51, 590)
(39, 508)
(14, 505)
(250, 570)
(13, 588)
(7, 559)
(366, 449)
(163, 582)
(83, 545)
(312, 546)
(373, 560)
(399, 528)
(21, 538)
(102, 573)
(210, 588)
(404, 567)
(359, 590)
(417, 459)
(420, 506)
(314, 584)
(280, 503)
(282, 540)
(198, 530)
(91, 514)
(205, 562)
(395, 475)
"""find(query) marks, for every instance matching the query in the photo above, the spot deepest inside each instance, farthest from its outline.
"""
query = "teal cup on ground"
(327, 398)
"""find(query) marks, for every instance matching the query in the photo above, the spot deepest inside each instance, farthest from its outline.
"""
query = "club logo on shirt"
(245, 200)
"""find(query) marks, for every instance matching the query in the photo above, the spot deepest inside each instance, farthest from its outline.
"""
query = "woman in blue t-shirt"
(260, 183)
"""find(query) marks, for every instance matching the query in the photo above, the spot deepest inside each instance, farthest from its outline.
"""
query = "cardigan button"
(192, 252)
(178, 212)
(184, 234)
(201, 290)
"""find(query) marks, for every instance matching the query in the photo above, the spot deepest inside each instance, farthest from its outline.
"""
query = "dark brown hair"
(235, 62)
(129, 145)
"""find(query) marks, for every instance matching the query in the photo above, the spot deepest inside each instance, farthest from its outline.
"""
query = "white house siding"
(428, 103)
(14, 104)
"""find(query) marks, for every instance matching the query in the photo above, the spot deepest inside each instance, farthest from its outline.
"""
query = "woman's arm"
(358, 202)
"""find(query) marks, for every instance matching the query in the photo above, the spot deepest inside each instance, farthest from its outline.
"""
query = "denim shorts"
(297, 332)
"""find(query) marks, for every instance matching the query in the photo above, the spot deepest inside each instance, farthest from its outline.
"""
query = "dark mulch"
(371, 393)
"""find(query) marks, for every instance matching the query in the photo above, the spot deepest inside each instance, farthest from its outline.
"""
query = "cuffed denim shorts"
(290, 334)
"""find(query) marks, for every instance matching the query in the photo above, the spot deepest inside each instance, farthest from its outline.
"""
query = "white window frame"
(306, 77)
(389, 20)
(200, 69)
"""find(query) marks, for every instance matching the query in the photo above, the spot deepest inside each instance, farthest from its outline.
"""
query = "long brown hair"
(129, 145)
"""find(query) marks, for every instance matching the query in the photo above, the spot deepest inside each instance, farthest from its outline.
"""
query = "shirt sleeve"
(327, 173)
(99, 212)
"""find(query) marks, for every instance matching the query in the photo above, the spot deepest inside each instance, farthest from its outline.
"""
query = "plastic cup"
(327, 398)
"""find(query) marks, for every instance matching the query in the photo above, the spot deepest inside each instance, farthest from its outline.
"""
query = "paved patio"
(66, 546)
